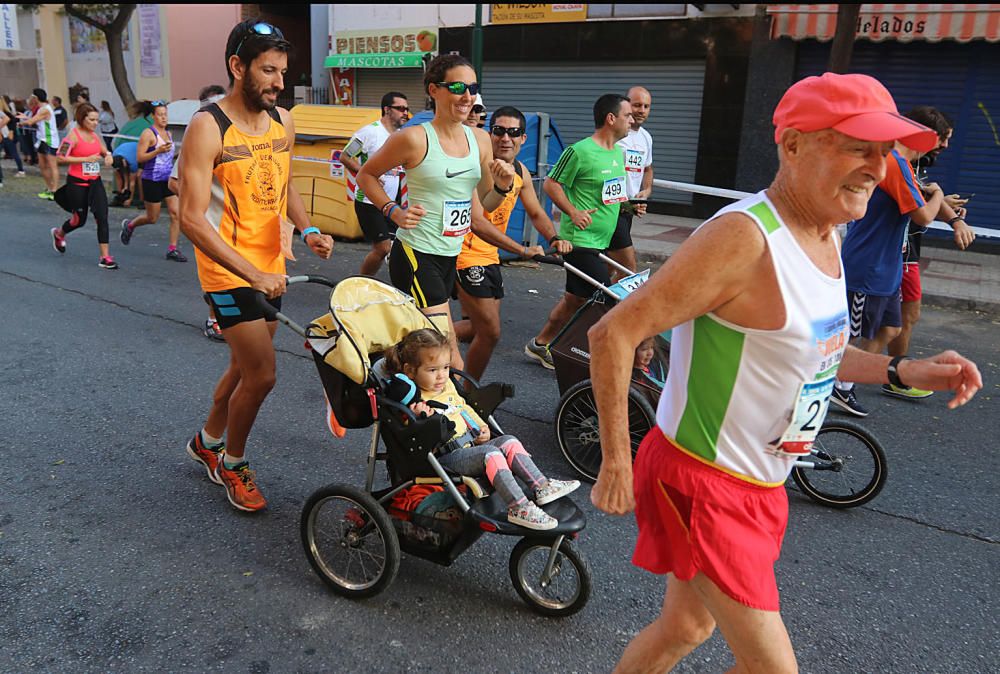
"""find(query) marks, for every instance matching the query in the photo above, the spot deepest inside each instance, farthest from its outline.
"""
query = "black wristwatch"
(503, 193)
(555, 237)
(957, 218)
(893, 371)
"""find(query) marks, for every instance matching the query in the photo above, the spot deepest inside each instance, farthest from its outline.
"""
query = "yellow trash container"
(321, 132)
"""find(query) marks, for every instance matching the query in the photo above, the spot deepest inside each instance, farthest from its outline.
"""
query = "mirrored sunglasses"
(263, 30)
(459, 88)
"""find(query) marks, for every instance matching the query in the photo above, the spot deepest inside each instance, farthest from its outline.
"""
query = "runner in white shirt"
(638, 148)
(379, 231)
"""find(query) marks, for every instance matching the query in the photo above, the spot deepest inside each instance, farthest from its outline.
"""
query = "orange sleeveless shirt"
(252, 176)
(476, 252)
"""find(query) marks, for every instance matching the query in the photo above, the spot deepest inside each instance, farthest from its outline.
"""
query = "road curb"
(944, 301)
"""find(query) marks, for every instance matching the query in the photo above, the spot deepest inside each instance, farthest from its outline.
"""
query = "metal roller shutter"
(961, 80)
(567, 92)
(373, 83)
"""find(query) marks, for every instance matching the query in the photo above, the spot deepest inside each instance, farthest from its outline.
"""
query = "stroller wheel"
(564, 590)
(578, 430)
(350, 541)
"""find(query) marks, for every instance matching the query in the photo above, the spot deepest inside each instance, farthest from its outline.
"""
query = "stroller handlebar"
(272, 314)
(321, 280)
(548, 259)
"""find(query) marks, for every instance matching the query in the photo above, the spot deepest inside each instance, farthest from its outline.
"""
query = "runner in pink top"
(84, 151)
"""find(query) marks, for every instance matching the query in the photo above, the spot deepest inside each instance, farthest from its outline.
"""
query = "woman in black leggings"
(84, 151)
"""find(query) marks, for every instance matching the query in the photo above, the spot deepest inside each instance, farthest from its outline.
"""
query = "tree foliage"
(112, 20)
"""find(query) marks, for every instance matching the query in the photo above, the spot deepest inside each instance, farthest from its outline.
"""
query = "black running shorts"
(586, 260)
(238, 305)
(486, 282)
(154, 191)
(622, 238)
(427, 278)
(374, 225)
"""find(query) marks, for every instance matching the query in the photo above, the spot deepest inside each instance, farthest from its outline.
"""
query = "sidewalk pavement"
(951, 277)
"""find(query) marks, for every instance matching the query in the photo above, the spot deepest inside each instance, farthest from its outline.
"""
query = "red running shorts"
(910, 290)
(693, 517)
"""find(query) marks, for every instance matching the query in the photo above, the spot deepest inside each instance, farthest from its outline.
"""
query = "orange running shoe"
(209, 458)
(241, 490)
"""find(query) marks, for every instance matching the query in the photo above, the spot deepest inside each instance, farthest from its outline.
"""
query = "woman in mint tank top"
(451, 176)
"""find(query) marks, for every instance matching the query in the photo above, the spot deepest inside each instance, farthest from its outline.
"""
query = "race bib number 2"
(811, 404)
(613, 191)
(457, 217)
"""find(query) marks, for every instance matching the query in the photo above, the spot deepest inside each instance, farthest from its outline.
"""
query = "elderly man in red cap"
(757, 304)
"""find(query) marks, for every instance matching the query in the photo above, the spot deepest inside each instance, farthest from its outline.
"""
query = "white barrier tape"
(315, 160)
(32, 129)
(701, 189)
(737, 195)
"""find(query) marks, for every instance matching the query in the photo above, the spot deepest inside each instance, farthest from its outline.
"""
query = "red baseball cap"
(856, 105)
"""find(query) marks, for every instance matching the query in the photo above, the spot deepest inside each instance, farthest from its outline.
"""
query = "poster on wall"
(150, 63)
(85, 39)
(342, 80)
(8, 27)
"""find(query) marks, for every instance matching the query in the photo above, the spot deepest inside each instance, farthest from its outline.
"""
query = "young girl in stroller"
(420, 363)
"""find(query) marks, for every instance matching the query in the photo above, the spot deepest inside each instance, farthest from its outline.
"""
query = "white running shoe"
(555, 490)
(530, 516)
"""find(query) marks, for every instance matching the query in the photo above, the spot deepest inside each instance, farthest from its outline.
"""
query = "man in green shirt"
(587, 185)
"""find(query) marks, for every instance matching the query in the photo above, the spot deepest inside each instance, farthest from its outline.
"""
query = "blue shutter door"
(961, 80)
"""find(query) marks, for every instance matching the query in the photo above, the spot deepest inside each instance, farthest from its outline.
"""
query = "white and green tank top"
(748, 401)
(46, 130)
(443, 185)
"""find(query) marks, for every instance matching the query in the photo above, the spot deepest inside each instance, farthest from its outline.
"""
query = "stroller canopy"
(366, 317)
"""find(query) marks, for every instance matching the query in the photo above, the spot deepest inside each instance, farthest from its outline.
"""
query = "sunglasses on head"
(512, 131)
(399, 108)
(459, 88)
(263, 30)
(157, 104)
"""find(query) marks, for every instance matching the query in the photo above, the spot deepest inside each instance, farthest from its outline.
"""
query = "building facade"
(171, 52)
(559, 59)
(945, 56)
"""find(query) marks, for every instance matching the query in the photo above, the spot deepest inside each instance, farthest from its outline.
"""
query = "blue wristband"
(388, 216)
(310, 230)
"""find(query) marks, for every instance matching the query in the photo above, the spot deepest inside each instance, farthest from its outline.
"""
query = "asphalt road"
(117, 554)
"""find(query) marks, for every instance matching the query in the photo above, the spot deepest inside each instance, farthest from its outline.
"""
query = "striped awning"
(900, 22)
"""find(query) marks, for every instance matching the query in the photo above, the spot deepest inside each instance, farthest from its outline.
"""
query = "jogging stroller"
(845, 468)
(353, 537)
(576, 424)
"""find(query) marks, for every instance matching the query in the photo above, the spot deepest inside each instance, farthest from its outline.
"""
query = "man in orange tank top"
(479, 281)
(237, 160)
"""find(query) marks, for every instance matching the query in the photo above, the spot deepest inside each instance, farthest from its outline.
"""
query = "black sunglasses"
(263, 30)
(513, 131)
(399, 108)
(459, 88)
